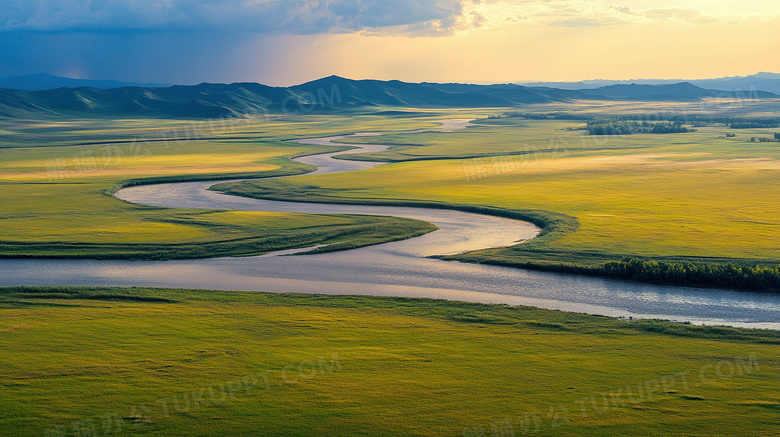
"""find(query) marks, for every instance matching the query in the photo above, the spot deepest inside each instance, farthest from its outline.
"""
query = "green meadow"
(689, 194)
(57, 177)
(203, 363)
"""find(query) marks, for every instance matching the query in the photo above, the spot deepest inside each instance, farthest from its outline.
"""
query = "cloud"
(612, 15)
(257, 16)
(689, 15)
(592, 13)
(368, 17)
(588, 22)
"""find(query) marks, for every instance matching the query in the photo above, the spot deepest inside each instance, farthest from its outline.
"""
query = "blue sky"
(283, 42)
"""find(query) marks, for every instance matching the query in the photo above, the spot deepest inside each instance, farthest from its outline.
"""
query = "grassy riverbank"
(746, 274)
(172, 362)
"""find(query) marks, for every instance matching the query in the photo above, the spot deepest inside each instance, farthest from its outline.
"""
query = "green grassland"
(57, 132)
(691, 194)
(296, 365)
(56, 178)
(692, 197)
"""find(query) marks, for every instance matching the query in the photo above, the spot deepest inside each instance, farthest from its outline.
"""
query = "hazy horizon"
(481, 82)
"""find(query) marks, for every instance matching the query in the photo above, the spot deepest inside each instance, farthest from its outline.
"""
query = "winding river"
(397, 268)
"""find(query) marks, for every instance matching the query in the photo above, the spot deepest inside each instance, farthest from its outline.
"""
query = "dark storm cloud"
(260, 16)
(163, 57)
(189, 41)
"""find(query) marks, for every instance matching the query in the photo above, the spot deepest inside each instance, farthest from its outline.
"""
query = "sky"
(287, 42)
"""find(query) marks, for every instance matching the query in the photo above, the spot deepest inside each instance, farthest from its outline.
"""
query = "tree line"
(695, 119)
(602, 126)
(721, 275)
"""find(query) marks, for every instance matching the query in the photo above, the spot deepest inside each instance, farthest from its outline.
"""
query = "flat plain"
(173, 362)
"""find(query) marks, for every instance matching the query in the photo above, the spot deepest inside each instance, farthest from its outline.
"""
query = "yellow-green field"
(208, 363)
(689, 194)
(55, 200)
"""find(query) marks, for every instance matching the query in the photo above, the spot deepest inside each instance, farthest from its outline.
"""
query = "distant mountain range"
(43, 81)
(762, 81)
(327, 94)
